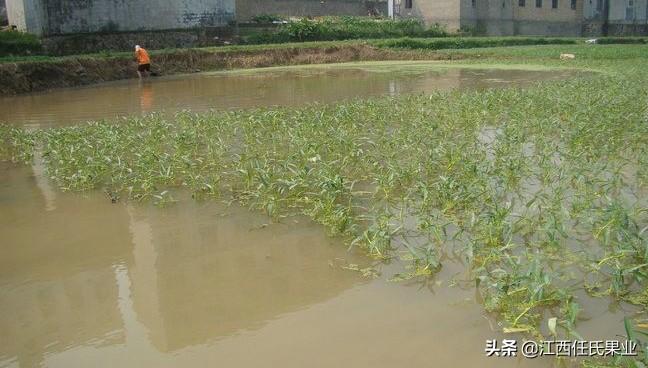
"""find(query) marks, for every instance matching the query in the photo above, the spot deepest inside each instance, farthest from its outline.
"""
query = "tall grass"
(14, 43)
(345, 28)
(472, 42)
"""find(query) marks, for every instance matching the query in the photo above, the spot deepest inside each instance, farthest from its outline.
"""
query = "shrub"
(303, 30)
(621, 40)
(467, 43)
(346, 28)
(435, 30)
(13, 43)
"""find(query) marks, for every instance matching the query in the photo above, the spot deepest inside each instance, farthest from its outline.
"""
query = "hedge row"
(621, 40)
(469, 42)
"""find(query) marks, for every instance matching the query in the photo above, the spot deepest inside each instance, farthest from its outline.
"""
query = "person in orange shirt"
(143, 61)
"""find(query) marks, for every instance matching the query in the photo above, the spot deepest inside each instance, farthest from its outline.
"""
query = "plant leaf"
(508, 330)
(629, 329)
(552, 325)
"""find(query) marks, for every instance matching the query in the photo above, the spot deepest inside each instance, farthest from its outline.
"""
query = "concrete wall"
(563, 13)
(620, 11)
(503, 17)
(443, 12)
(51, 17)
(547, 20)
(16, 14)
(492, 17)
(593, 9)
(628, 11)
(3, 13)
(624, 17)
(547, 28)
(83, 43)
(247, 9)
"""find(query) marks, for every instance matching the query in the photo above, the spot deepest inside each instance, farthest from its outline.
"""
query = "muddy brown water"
(88, 283)
(270, 87)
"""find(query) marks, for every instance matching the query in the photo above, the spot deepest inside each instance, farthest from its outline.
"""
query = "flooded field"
(85, 282)
(234, 90)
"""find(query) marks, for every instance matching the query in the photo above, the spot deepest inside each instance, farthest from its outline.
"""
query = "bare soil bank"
(33, 76)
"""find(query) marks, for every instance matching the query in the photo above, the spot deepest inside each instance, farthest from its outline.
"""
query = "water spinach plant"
(542, 191)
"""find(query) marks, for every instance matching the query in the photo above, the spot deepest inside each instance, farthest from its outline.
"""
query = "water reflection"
(198, 276)
(42, 181)
(95, 284)
(89, 273)
(283, 87)
(146, 96)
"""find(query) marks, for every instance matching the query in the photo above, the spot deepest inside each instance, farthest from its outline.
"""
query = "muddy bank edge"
(34, 76)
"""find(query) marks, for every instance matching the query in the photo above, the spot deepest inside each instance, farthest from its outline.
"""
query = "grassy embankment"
(390, 43)
(421, 44)
(25, 74)
(24, 68)
(542, 191)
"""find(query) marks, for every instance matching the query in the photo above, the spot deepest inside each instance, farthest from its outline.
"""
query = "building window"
(408, 4)
(474, 3)
(521, 3)
(538, 3)
(554, 4)
(573, 4)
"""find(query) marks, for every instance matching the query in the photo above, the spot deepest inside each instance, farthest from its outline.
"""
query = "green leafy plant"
(539, 191)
